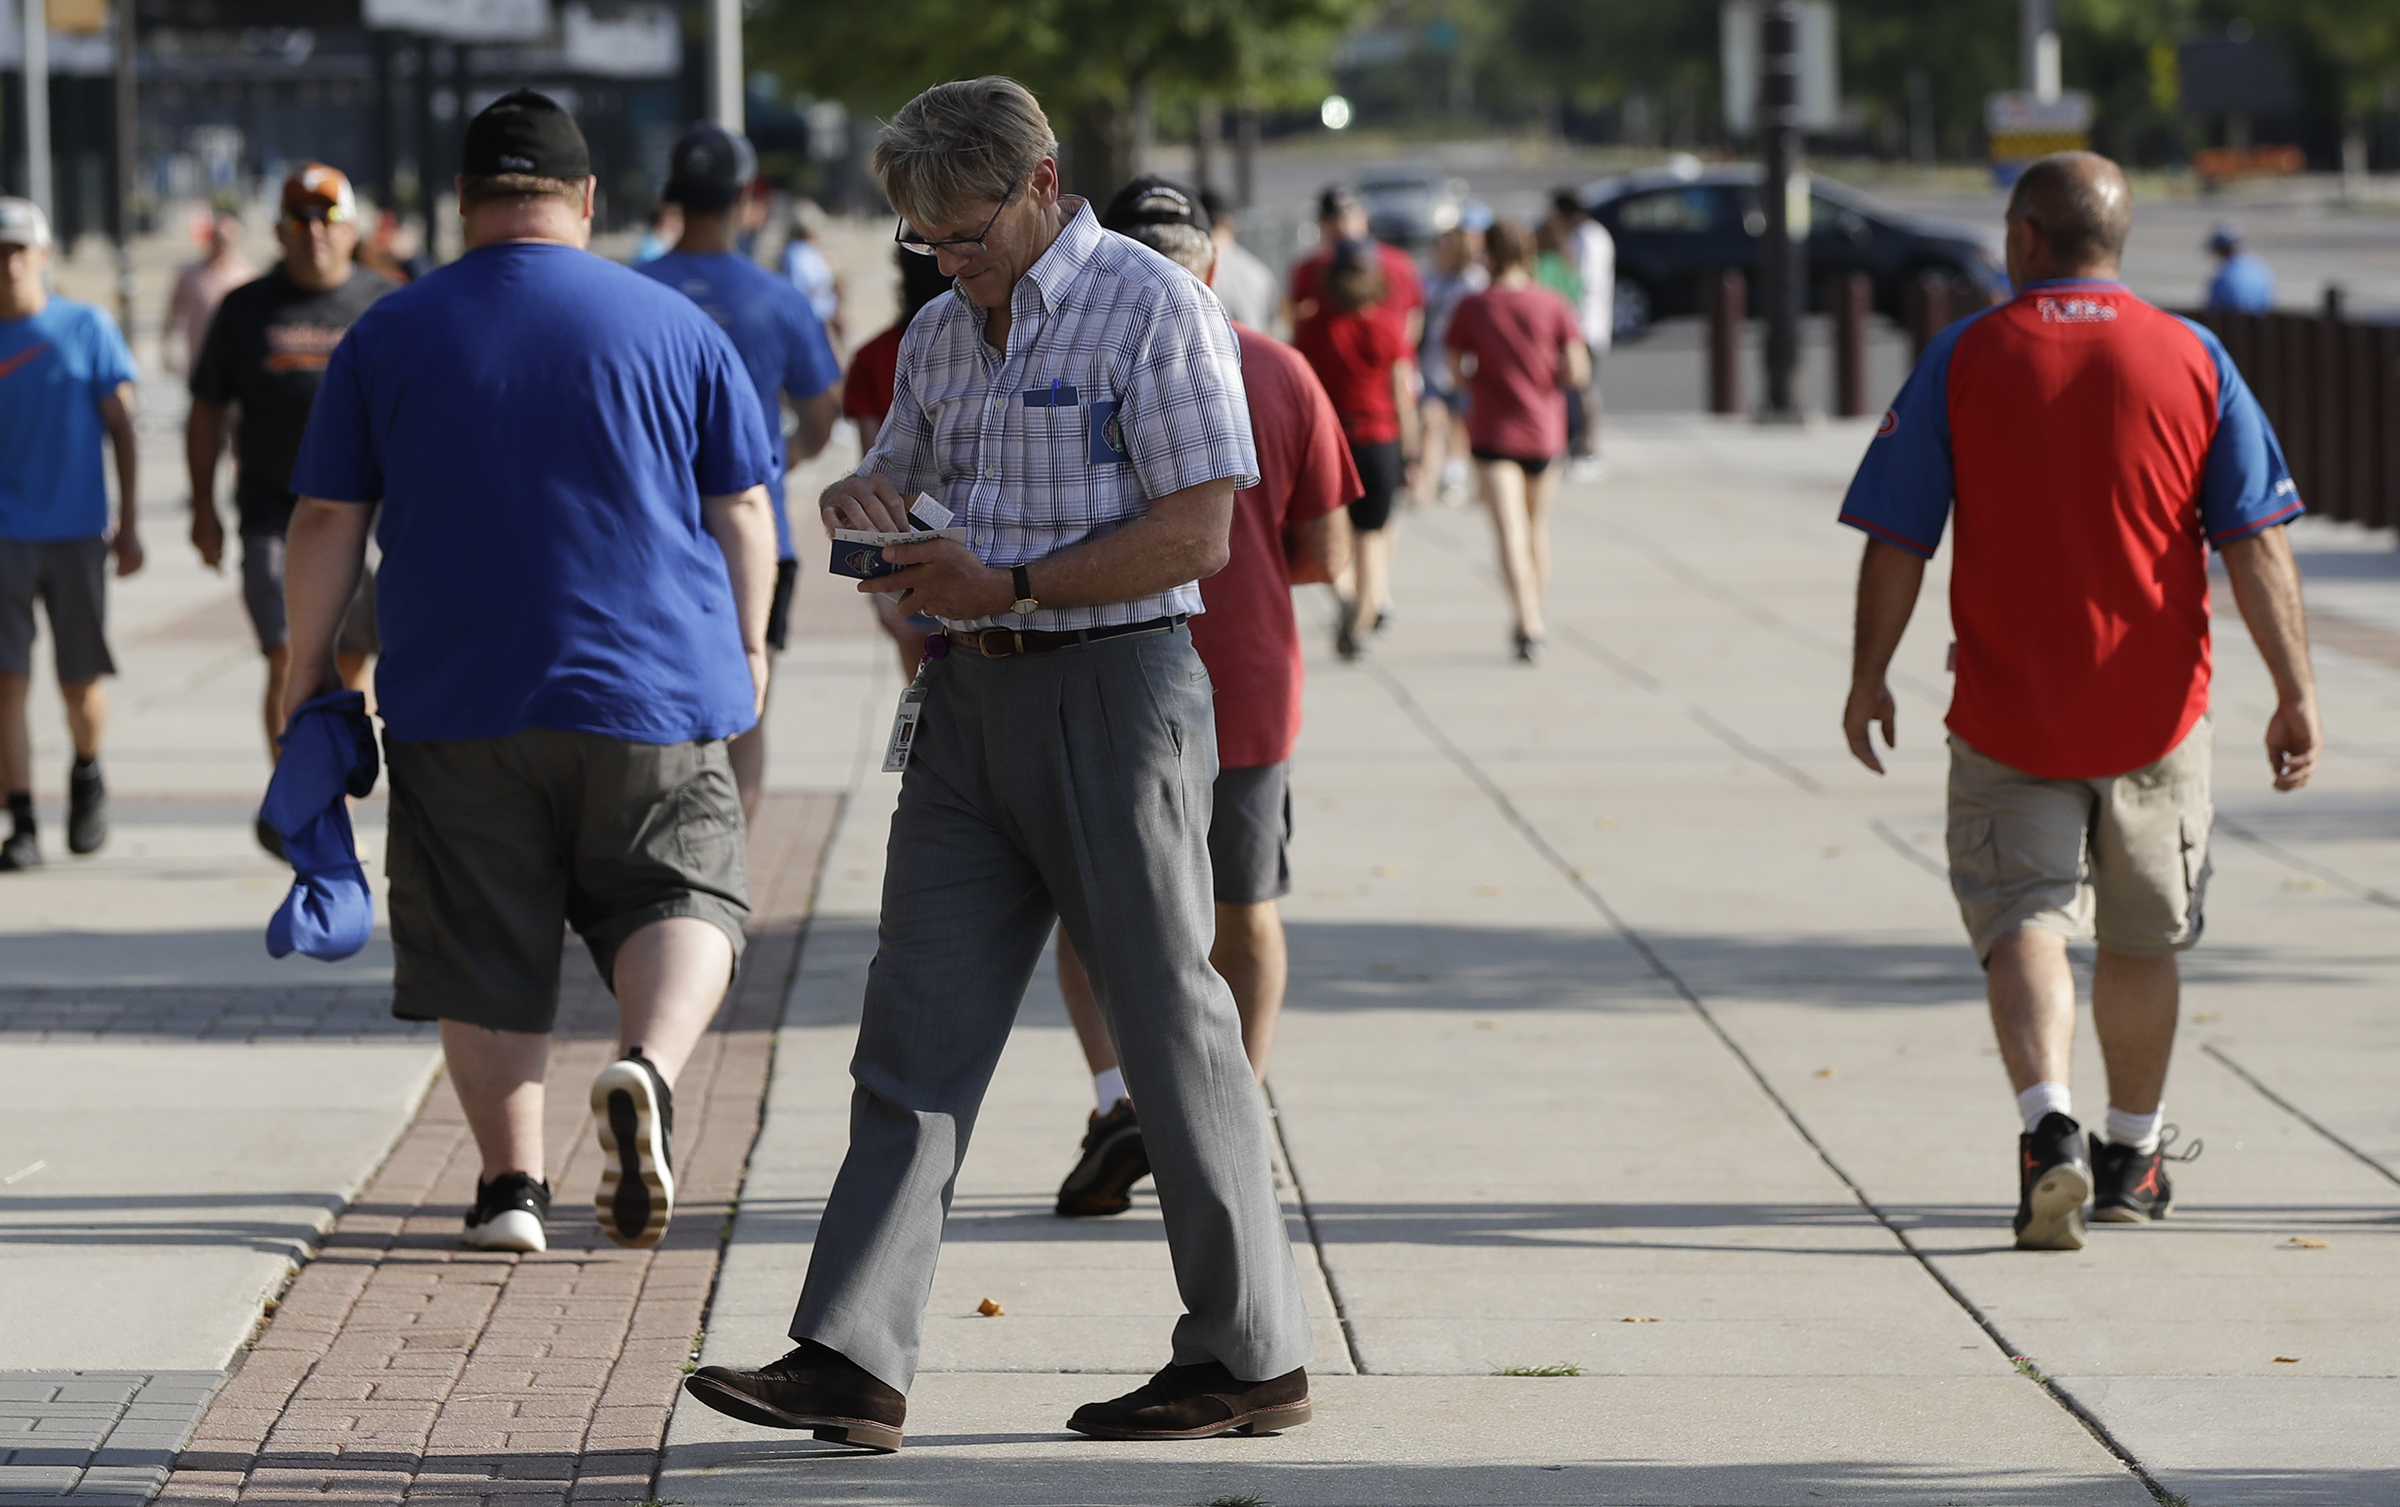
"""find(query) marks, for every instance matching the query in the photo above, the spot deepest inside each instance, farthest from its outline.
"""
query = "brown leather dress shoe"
(1198, 1402)
(812, 1388)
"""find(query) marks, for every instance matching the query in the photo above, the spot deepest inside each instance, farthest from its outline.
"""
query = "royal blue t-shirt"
(56, 368)
(781, 340)
(540, 425)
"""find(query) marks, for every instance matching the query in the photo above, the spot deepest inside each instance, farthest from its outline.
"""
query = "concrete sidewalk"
(1632, 1033)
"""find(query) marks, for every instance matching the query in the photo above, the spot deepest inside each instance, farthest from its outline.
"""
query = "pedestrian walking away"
(202, 285)
(2243, 284)
(66, 387)
(807, 268)
(1592, 251)
(1458, 270)
(1358, 325)
(1244, 284)
(263, 358)
(1518, 353)
(2080, 741)
(578, 555)
(1287, 530)
(1078, 406)
(866, 400)
(783, 347)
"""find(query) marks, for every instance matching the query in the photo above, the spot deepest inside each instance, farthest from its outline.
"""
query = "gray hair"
(959, 145)
(1186, 246)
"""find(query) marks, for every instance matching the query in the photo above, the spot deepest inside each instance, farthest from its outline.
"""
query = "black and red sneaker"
(1113, 1161)
(2132, 1187)
(2053, 1180)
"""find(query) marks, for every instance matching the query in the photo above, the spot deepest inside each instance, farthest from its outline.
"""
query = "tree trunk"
(1106, 143)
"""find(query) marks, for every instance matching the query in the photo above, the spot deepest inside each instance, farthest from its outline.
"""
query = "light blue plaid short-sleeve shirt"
(1122, 382)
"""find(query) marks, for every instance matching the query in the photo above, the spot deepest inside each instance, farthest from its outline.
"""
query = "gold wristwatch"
(1025, 605)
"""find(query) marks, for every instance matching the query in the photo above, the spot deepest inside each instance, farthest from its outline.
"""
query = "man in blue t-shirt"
(2243, 284)
(781, 342)
(66, 382)
(577, 559)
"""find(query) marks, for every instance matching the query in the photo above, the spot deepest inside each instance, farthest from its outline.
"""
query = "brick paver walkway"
(399, 1367)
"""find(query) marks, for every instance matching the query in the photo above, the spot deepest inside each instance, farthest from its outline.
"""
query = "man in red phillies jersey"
(2093, 449)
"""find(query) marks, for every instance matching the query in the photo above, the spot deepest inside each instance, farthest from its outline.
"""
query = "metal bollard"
(1853, 307)
(1726, 294)
(1929, 311)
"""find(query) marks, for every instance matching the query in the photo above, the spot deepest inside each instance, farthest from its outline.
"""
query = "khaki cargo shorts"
(2121, 860)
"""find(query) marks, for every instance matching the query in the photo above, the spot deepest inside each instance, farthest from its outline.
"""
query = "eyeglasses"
(331, 214)
(963, 246)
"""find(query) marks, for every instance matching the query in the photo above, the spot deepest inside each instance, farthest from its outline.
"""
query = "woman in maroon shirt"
(1356, 340)
(1518, 348)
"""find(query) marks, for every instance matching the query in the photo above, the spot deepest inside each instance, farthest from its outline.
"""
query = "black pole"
(1783, 260)
(127, 133)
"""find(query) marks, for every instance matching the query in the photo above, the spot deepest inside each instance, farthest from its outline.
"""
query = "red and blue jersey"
(2094, 447)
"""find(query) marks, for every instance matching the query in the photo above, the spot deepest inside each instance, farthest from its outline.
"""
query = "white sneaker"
(508, 1215)
(636, 1114)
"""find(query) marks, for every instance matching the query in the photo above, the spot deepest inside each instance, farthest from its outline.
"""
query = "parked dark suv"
(1672, 227)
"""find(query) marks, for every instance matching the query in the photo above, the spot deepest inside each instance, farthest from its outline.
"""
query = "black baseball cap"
(709, 168)
(1152, 200)
(525, 132)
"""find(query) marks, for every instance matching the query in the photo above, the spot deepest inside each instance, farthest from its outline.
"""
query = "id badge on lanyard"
(911, 710)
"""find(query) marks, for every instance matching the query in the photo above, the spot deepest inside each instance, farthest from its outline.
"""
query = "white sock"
(2125, 1128)
(2042, 1098)
(1108, 1088)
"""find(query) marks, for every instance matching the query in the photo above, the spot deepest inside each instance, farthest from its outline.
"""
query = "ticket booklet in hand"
(859, 552)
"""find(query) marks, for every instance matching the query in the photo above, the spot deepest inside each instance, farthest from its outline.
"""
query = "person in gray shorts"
(2081, 744)
(263, 357)
(1287, 530)
(66, 389)
(577, 561)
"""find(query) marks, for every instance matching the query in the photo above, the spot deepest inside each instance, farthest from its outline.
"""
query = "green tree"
(1100, 67)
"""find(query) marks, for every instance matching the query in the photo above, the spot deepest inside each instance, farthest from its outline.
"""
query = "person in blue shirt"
(2243, 284)
(66, 382)
(781, 342)
(577, 559)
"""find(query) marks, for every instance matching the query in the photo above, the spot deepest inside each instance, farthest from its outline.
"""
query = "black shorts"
(1531, 468)
(495, 845)
(1250, 834)
(1379, 477)
(779, 611)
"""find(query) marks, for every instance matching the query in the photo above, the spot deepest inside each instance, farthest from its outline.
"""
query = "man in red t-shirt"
(1287, 530)
(2091, 448)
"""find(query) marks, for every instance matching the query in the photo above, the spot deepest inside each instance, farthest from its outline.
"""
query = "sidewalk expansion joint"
(1308, 1216)
(2310, 867)
(2296, 1112)
(1533, 837)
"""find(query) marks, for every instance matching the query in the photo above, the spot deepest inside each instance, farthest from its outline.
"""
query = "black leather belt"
(1000, 643)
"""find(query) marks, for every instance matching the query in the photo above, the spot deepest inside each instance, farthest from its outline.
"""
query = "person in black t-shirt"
(264, 355)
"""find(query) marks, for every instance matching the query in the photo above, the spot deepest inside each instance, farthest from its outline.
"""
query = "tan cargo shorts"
(2121, 860)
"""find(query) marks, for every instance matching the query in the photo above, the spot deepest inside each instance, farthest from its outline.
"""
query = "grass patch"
(1238, 1499)
(1564, 1368)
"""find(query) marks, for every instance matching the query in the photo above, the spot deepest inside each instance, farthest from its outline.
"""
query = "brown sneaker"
(812, 1388)
(1198, 1402)
(1113, 1161)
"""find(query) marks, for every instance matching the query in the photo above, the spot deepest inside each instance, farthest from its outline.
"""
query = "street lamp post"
(36, 15)
(725, 63)
(1783, 260)
(129, 123)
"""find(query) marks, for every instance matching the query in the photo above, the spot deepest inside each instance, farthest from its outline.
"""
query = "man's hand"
(945, 578)
(2293, 742)
(127, 546)
(865, 502)
(1870, 705)
(208, 536)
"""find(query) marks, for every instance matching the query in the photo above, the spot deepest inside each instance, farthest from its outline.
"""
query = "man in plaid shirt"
(1078, 405)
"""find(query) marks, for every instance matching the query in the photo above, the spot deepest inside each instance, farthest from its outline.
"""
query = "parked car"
(1672, 227)
(1409, 203)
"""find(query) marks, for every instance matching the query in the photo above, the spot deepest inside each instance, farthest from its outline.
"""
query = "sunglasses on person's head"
(316, 214)
(961, 246)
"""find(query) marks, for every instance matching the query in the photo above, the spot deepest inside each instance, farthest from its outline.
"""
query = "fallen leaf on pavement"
(989, 1309)
(2303, 1243)
(1637, 1321)
(1824, 1072)
(2287, 1360)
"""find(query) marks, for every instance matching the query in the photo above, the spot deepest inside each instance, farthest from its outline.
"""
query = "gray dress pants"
(1073, 784)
